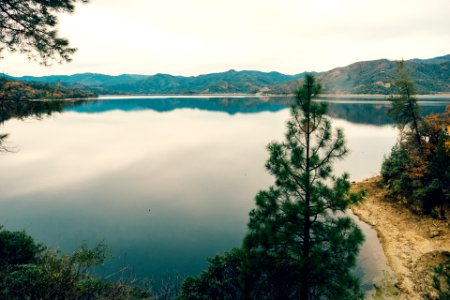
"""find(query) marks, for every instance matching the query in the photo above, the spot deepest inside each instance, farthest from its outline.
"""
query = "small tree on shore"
(300, 245)
(417, 171)
(405, 110)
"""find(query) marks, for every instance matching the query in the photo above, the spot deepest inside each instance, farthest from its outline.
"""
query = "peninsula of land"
(413, 244)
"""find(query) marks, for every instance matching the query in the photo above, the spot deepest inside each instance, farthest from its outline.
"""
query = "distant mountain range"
(233, 82)
(373, 77)
(367, 77)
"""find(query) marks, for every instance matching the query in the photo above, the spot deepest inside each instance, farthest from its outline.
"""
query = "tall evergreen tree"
(417, 170)
(405, 110)
(300, 245)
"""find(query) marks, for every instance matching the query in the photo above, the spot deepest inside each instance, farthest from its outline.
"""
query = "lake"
(165, 182)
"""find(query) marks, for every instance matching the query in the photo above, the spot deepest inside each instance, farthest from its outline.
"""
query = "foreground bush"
(29, 270)
(219, 281)
(421, 177)
(441, 279)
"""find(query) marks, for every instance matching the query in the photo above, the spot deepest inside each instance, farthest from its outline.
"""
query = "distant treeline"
(17, 90)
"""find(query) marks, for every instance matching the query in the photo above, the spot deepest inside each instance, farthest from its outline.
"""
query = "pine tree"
(417, 170)
(405, 110)
(300, 244)
(28, 26)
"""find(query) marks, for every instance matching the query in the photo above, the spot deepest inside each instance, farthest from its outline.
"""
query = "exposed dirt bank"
(413, 244)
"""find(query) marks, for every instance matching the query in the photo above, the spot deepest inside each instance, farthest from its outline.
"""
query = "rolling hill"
(374, 77)
(232, 81)
(20, 90)
(366, 77)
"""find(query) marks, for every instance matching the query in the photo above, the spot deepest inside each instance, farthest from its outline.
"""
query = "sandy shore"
(412, 244)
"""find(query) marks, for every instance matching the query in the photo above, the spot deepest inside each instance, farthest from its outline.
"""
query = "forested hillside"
(245, 82)
(374, 77)
(18, 90)
(367, 77)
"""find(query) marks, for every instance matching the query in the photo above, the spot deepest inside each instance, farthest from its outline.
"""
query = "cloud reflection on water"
(94, 176)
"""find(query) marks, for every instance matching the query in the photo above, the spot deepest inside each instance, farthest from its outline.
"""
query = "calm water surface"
(165, 182)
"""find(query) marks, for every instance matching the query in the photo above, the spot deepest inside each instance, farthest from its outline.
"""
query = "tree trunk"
(304, 291)
(415, 122)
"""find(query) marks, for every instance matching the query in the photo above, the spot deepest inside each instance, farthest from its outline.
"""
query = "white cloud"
(199, 36)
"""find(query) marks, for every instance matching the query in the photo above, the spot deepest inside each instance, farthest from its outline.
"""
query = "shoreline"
(374, 97)
(412, 244)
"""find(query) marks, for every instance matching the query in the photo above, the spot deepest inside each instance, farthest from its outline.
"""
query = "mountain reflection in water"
(92, 170)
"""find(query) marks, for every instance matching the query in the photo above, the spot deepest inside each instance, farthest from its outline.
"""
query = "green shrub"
(30, 271)
(219, 281)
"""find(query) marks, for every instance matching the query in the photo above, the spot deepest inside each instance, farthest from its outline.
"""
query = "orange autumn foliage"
(433, 128)
(17, 90)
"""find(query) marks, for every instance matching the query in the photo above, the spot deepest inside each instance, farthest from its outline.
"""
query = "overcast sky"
(191, 37)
